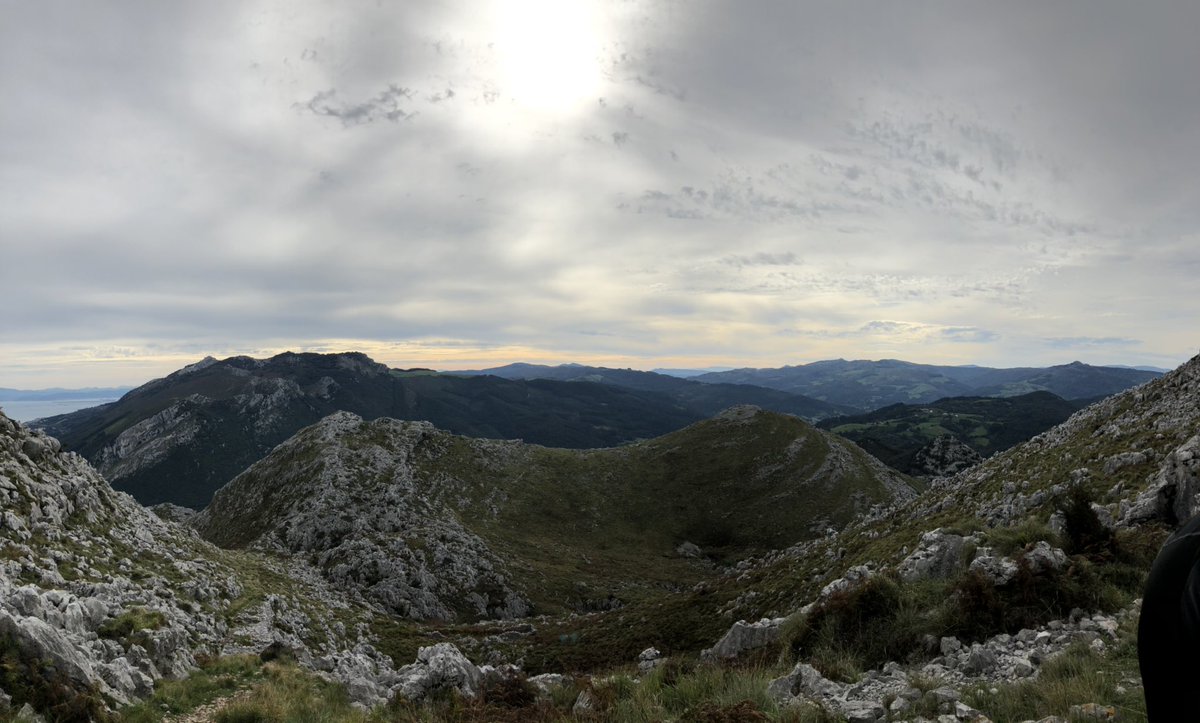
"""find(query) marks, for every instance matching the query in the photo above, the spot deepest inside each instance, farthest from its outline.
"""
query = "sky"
(640, 183)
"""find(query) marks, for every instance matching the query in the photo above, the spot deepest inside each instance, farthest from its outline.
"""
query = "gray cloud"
(928, 180)
(383, 106)
(1071, 342)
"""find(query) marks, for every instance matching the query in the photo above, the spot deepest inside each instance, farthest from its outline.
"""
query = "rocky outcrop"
(939, 556)
(743, 637)
(438, 667)
(944, 456)
(85, 581)
(1175, 495)
(854, 578)
(1000, 659)
(100, 598)
(355, 510)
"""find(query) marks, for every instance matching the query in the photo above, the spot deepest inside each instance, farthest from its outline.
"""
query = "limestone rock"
(649, 659)
(438, 667)
(803, 681)
(744, 636)
(938, 556)
(548, 682)
(998, 570)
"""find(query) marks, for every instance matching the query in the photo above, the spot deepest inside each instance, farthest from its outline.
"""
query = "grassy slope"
(586, 529)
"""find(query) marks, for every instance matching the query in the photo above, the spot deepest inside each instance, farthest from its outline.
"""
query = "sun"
(548, 53)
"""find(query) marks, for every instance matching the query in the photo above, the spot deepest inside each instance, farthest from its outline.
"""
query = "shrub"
(878, 621)
(131, 621)
(1085, 534)
(29, 678)
(510, 692)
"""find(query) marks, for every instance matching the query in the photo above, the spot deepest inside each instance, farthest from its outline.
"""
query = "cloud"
(762, 258)
(877, 181)
(1069, 342)
(383, 106)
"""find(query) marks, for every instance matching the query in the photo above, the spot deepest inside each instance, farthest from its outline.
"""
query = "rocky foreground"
(100, 598)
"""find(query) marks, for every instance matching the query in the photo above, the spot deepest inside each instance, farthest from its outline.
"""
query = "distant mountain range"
(180, 438)
(57, 393)
(869, 385)
(703, 399)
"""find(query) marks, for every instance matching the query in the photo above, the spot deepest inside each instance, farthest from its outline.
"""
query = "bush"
(1085, 534)
(28, 678)
(979, 608)
(510, 692)
(133, 620)
(865, 627)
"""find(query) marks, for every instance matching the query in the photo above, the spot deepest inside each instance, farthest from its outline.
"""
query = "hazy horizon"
(647, 184)
(642, 365)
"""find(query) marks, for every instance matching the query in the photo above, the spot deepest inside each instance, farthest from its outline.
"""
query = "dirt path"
(207, 713)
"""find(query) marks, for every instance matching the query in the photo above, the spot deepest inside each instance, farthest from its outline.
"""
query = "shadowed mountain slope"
(178, 439)
(704, 399)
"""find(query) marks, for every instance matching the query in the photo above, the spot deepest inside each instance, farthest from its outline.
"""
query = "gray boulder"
(803, 682)
(649, 659)
(743, 637)
(938, 556)
(438, 667)
(1043, 557)
(37, 640)
(999, 570)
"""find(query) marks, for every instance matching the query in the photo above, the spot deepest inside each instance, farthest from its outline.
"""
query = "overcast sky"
(638, 183)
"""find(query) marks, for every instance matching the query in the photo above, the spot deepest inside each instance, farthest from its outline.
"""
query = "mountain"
(178, 439)
(430, 525)
(869, 385)
(897, 433)
(688, 373)
(100, 599)
(1009, 591)
(702, 399)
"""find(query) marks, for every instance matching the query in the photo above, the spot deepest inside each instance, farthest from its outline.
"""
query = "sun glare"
(548, 53)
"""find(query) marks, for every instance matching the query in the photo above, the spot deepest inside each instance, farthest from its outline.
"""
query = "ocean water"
(26, 411)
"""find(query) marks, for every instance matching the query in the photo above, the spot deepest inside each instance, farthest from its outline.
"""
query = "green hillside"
(895, 433)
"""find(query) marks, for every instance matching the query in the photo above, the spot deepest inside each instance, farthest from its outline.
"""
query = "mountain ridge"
(704, 399)
(868, 385)
(502, 517)
(156, 441)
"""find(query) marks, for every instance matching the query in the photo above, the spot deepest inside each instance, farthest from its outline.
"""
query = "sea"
(30, 410)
